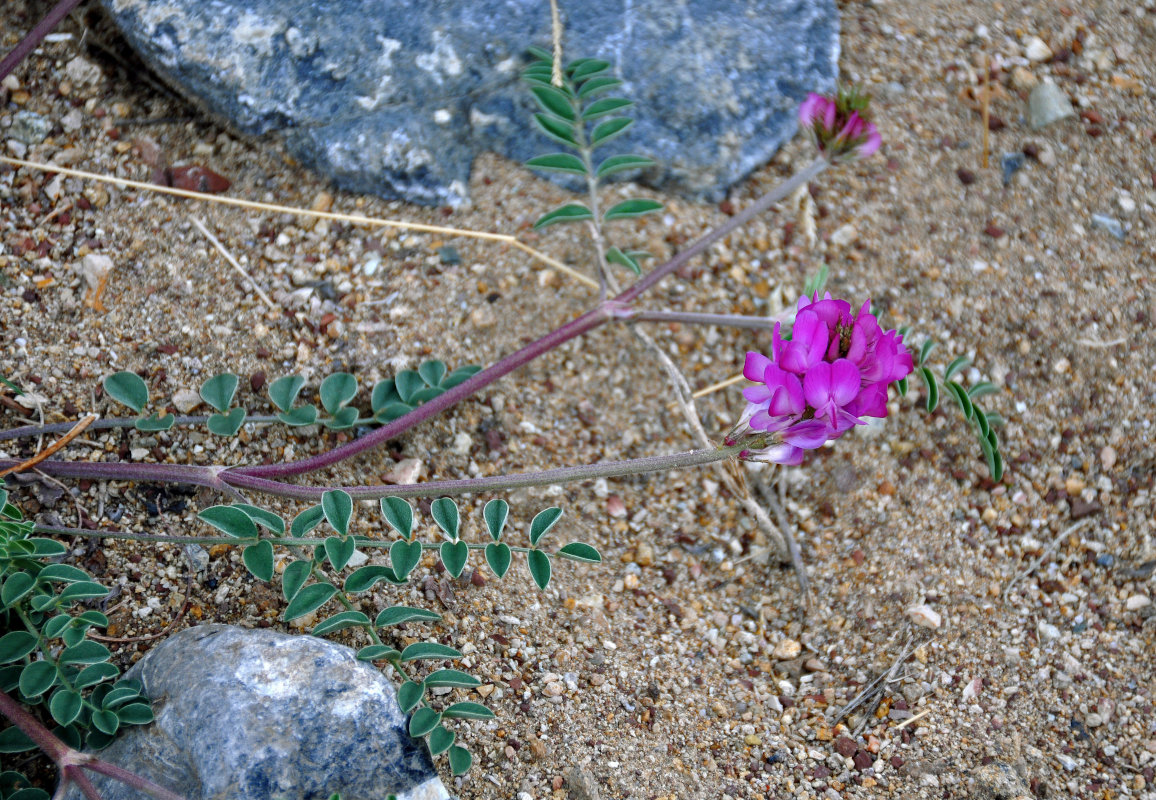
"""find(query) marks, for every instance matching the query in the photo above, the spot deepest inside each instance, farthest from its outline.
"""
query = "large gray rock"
(259, 715)
(396, 97)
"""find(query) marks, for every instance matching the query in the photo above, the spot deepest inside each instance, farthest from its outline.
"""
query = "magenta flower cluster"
(832, 372)
(839, 129)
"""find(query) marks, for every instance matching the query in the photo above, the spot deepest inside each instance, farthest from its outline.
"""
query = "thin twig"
(36, 35)
(910, 720)
(233, 262)
(52, 448)
(718, 386)
(556, 35)
(985, 100)
(1047, 551)
(1094, 343)
(875, 687)
(306, 212)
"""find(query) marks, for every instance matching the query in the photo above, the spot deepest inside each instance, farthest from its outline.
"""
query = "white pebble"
(924, 616)
(1037, 49)
(1136, 602)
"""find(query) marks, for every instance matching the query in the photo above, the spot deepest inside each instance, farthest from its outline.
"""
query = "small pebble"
(1136, 602)
(1011, 164)
(787, 649)
(924, 616)
(1048, 632)
(1048, 103)
(1108, 457)
(185, 400)
(29, 128)
(1110, 225)
(406, 472)
(1037, 50)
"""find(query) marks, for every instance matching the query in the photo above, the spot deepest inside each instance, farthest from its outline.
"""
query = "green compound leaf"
(37, 678)
(557, 129)
(432, 372)
(629, 209)
(337, 506)
(218, 391)
(982, 388)
(616, 256)
(83, 590)
(452, 677)
(408, 383)
(384, 392)
(106, 721)
(266, 519)
(422, 650)
(925, 351)
(293, 578)
(610, 129)
(439, 740)
(959, 394)
(460, 760)
(135, 714)
(580, 551)
(409, 694)
(554, 101)
(377, 652)
(498, 557)
(339, 550)
(558, 162)
(932, 388)
(574, 212)
(95, 673)
(399, 514)
(337, 390)
(495, 514)
(86, 652)
(461, 375)
(901, 385)
(454, 556)
(120, 694)
(622, 163)
(595, 85)
(306, 521)
(365, 578)
(543, 521)
(404, 556)
(539, 564)
(258, 559)
(13, 740)
(425, 394)
(344, 418)
(302, 415)
(155, 423)
(230, 521)
(468, 711)
(959, 363)
(46, 548)
(396, 615)
(56, 626)
(65, 706)
(423, 721)
(226, 424)
(127, 388)
(607, 105)
(445, 514)
(308, 599)
(583, 68)
(283, 391)
(346, 619)
(17, 585)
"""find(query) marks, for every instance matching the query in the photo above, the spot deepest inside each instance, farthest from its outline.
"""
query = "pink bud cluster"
(838, 128)
(832, 372)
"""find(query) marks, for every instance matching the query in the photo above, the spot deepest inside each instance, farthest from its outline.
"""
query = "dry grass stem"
(504, 238)
(234, 263)
(52, 448)
(1047, 552)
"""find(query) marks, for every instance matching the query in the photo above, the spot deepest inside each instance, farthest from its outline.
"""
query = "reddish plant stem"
(34, 37)
(72, 762)
(604, 312)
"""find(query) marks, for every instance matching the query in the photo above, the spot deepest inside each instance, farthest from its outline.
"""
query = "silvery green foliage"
(323, 579)
(46, 657)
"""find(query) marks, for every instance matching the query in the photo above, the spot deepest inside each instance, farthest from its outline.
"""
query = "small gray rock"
(259, 714)
(396, 97)
(1048, 103)
(29, 128)
(1111, 225)
(999, 781)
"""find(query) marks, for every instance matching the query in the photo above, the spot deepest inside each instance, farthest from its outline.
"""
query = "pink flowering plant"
(829, 368)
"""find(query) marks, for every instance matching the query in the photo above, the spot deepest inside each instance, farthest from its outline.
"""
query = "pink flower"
(839, 125)
(832, 371)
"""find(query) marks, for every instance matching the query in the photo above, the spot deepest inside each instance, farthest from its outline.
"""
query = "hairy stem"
(694, 318)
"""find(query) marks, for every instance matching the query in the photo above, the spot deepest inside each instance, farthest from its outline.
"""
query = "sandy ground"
(681, 667)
